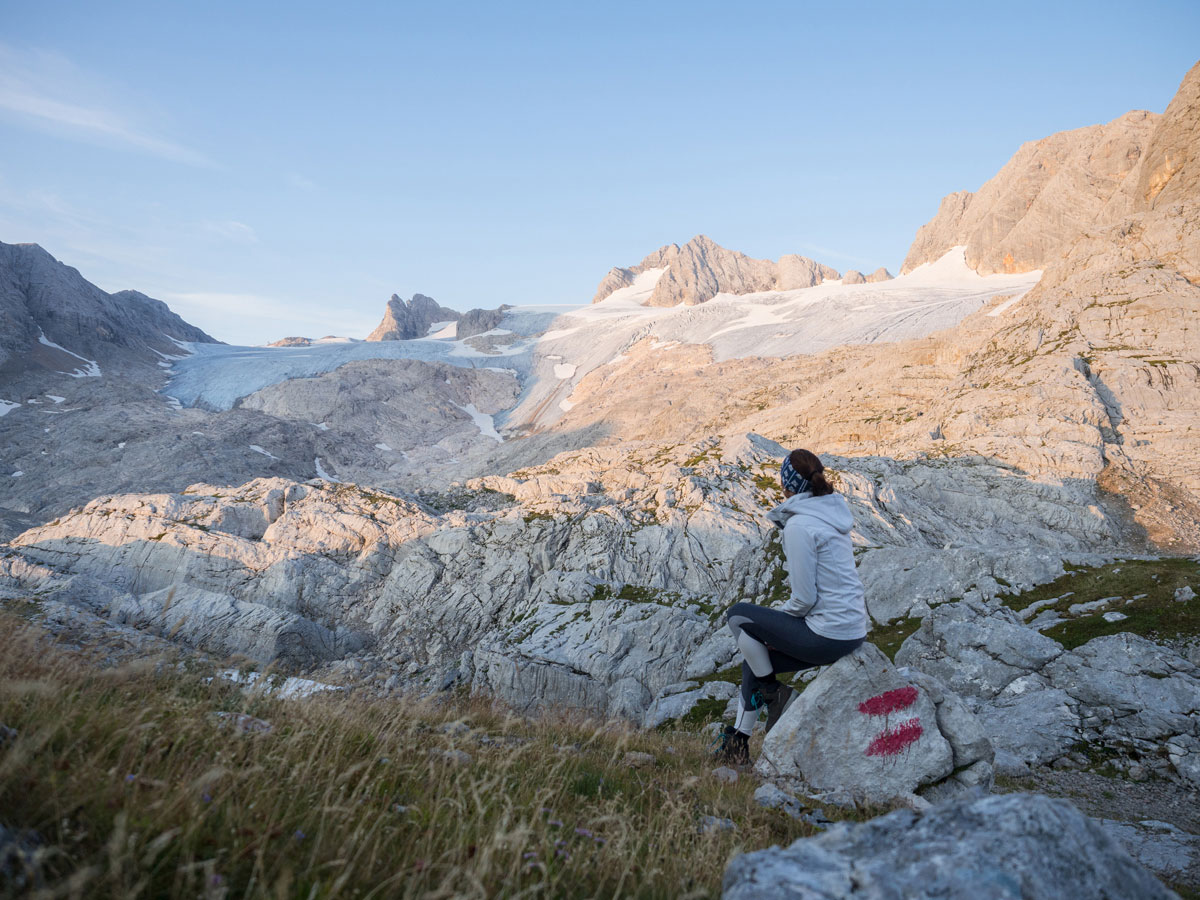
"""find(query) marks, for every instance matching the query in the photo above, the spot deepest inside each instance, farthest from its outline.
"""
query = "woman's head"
(802, 471)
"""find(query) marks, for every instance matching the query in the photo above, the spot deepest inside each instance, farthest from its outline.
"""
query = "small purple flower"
(545, 811)
(600, 841)
(583, 832)
(299, 835)
(559, 843)
(216, 879)
(555, 823)
(562, 854)
(532, 854)
(131, 778)
(206, 797)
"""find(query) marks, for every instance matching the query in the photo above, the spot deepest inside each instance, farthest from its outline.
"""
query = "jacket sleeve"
(800, 550)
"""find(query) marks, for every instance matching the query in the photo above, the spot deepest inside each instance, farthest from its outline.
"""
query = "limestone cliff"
(1044, 197)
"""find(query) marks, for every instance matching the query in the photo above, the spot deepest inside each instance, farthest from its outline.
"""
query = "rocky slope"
(53, 320)
(701, 269)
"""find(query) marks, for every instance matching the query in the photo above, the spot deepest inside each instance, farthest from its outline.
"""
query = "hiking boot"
(776, 697)
(734, 749)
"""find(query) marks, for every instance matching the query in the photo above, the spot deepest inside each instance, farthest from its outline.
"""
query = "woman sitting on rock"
(824, 618)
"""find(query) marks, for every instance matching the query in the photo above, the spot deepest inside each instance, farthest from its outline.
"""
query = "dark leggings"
(790, 644)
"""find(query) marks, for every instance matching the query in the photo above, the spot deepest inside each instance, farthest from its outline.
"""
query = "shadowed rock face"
(39, 296)
(1043, 198)
(404, 320)
(701, 269)
(479, 321)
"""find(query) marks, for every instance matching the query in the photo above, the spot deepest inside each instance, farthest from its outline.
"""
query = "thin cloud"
(238, 232)
(42, 89)
(821, 253)
(263, 315)
(299, 181)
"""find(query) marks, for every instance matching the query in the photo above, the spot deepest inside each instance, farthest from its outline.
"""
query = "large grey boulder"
(880, 733)
(1024, 846)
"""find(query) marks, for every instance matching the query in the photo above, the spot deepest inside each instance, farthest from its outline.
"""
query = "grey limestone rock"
(864, 726)
(676, 701)
(989, 848)
(977, 653)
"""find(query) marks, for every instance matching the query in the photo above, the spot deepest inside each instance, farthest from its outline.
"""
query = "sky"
(275, 169)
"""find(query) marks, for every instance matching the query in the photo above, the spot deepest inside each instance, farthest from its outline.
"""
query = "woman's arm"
(800, 551)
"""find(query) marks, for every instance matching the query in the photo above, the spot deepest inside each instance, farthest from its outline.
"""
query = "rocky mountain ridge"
(52, 319)
(702, 268)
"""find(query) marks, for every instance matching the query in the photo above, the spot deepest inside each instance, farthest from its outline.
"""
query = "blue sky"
(272, 169)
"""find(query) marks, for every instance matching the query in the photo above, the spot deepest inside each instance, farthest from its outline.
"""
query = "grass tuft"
(135, 787)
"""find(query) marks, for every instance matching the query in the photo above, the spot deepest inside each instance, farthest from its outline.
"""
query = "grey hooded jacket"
(826, 590)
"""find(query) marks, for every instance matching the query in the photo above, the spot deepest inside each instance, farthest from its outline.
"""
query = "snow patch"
(258, 449)
(384, 447)
(1006, 305)
(441, 331)
(637, 293)
(322, 425)
(17, 474)
(485, 423)
(89, 369)
(566, 405)
(321, 473)
(7, 406)
(56, 399)
(564, 370)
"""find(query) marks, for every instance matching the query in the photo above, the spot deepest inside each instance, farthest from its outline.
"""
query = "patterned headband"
(792, 480)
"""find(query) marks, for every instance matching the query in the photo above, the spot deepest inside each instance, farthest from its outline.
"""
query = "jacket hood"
(832, 510)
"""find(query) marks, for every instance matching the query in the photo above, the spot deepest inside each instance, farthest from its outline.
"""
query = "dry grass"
(133, 790)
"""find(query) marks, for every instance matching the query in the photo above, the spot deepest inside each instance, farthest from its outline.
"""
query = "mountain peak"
(702, 268)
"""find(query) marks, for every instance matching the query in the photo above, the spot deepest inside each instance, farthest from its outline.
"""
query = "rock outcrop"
(404, 320)
(479, 321)
(989, 848)
(1043, 199)
(701, 268)
(1038, 701)
(864, 727)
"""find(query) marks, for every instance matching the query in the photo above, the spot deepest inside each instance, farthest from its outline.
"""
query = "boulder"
(982, 847)
(986, 848)
(881, 733)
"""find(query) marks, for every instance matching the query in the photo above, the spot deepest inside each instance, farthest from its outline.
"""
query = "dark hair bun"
(806, 463)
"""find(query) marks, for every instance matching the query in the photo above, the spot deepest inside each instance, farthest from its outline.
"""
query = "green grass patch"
(1157, 615)
(889, 637)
